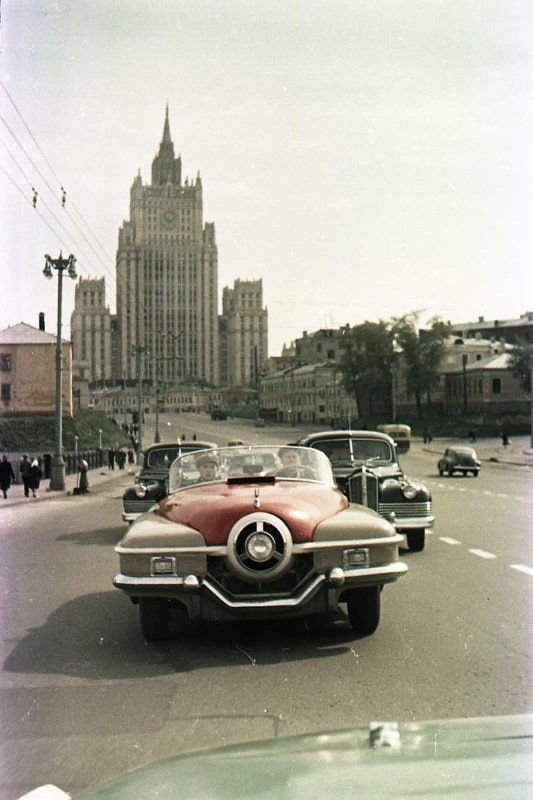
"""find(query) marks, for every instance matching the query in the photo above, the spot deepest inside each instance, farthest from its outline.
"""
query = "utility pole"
(138, 351)
(57, 466)
(465, 400)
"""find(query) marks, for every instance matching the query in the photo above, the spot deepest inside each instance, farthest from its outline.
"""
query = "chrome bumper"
(412, 523)
(337, 579)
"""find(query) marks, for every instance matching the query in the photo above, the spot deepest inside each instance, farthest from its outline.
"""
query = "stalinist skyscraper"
(167, 277)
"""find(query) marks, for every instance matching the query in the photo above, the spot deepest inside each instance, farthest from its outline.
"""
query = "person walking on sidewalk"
(24, 467)
(6, 475)
(35, 474)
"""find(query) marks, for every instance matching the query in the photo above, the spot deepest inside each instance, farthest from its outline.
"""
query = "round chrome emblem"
(259, 547)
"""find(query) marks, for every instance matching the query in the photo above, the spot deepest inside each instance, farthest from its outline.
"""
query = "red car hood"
(213, 509)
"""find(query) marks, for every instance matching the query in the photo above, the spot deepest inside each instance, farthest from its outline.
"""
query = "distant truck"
(219, 413)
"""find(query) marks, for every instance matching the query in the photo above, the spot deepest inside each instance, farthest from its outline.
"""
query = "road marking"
(522, 568)
(481, 553)
(449, 540)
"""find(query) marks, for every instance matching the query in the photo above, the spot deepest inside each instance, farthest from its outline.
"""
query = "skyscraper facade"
(244, 333)
(90, 331)
(167, 278)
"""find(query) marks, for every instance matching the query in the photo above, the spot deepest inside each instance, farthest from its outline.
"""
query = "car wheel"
(415, 540)
(441, 472)
(450, 473)
(364, 609)
(475, 473)
(155, 618)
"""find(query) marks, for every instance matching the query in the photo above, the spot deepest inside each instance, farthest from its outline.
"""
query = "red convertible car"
(256, 532)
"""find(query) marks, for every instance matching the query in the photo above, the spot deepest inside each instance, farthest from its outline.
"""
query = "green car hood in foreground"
(487, 758)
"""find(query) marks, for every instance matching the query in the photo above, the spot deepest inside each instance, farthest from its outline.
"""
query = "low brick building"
(28, 371)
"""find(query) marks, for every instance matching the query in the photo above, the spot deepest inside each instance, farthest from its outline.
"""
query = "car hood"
(213, 509)
(487, 758)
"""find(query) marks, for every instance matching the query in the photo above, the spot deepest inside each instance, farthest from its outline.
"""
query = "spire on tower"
(166, 130)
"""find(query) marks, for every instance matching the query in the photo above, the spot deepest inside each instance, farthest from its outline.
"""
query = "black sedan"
(459, 459)
(151, 483)
(366, 469)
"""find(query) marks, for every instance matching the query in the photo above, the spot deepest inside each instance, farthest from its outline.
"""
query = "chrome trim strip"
(390, 571)
(412, 522)
(222, 550)
(349, 543)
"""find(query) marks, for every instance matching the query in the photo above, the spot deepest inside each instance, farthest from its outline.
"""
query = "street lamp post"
(57, 465)
(76, 440)
(100, 438)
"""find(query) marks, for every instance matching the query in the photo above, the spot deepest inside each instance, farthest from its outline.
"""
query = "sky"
(365, 158)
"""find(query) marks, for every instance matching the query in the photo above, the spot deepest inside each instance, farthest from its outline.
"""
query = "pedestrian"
(505, 438)
(24, 467)
(472, 435)
(35, 474)
(84, 481)
(121, 458)
(425, 435)
(111, 458)
(6, 475)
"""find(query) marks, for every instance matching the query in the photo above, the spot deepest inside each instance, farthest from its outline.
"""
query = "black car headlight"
(409, 491)
(141, 491)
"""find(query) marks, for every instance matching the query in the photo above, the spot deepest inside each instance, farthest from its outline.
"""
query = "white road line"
(449, 540)
(481, 553)
(522, 568)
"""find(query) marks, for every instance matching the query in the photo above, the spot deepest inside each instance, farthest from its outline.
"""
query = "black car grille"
(285, 585)
(405, 510)
(363, 488)
(138, 506)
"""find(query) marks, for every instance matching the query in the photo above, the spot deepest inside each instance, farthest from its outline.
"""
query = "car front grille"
(285, 585)
(137, 506)
(405, 510)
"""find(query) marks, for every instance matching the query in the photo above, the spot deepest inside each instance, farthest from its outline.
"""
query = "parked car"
(259, 422)
(249, 537)
(366, 468)
(459, 459)
(151, 483)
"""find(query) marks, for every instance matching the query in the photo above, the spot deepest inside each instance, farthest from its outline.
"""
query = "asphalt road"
(83, 697)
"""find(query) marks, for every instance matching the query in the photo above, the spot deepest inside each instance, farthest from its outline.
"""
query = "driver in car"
(207, 467)
(292, 466)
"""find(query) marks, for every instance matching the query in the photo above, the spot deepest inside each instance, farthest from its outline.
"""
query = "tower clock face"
(169, 218)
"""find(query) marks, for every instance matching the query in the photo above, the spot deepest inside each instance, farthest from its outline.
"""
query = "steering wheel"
(296, 471)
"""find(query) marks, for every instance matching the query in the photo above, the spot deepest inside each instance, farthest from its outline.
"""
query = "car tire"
(441, 472)
(364, 609)
(475, 473)
(155, 618)
(416, 540)
(450, 473)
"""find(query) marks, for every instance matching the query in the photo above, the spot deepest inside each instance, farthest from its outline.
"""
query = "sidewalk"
(99, 479)
(518, 452)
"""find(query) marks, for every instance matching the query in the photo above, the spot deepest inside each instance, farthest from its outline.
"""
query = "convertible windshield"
(353, 450)
(253, 463)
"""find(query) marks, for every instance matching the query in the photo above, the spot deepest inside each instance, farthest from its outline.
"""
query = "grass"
(38, 432)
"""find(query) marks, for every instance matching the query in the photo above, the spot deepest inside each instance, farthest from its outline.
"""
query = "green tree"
(365, 364)
(520, 362)
(423, 350)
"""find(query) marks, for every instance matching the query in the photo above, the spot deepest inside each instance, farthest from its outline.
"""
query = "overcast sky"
(364, 158)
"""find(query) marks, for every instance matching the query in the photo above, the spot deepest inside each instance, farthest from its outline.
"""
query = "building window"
(5, 362)
(496, 386)
(6, 391)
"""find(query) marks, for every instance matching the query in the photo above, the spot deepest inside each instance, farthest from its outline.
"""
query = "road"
(83, 697)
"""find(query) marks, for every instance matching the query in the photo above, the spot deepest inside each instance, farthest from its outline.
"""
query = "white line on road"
(449, 540)
(522, 568)
(481, 553)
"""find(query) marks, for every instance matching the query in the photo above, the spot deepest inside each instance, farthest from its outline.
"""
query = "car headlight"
(260, 546)
(409, 491)
(141, 490)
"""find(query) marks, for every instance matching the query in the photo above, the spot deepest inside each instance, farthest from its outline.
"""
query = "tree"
(423, 350)
(365, 364)
(520, 362)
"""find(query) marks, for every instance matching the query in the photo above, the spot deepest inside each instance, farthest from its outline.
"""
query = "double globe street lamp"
(57, 465)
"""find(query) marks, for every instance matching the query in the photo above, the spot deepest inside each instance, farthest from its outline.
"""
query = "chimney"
(41, 320)
(481, 319)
